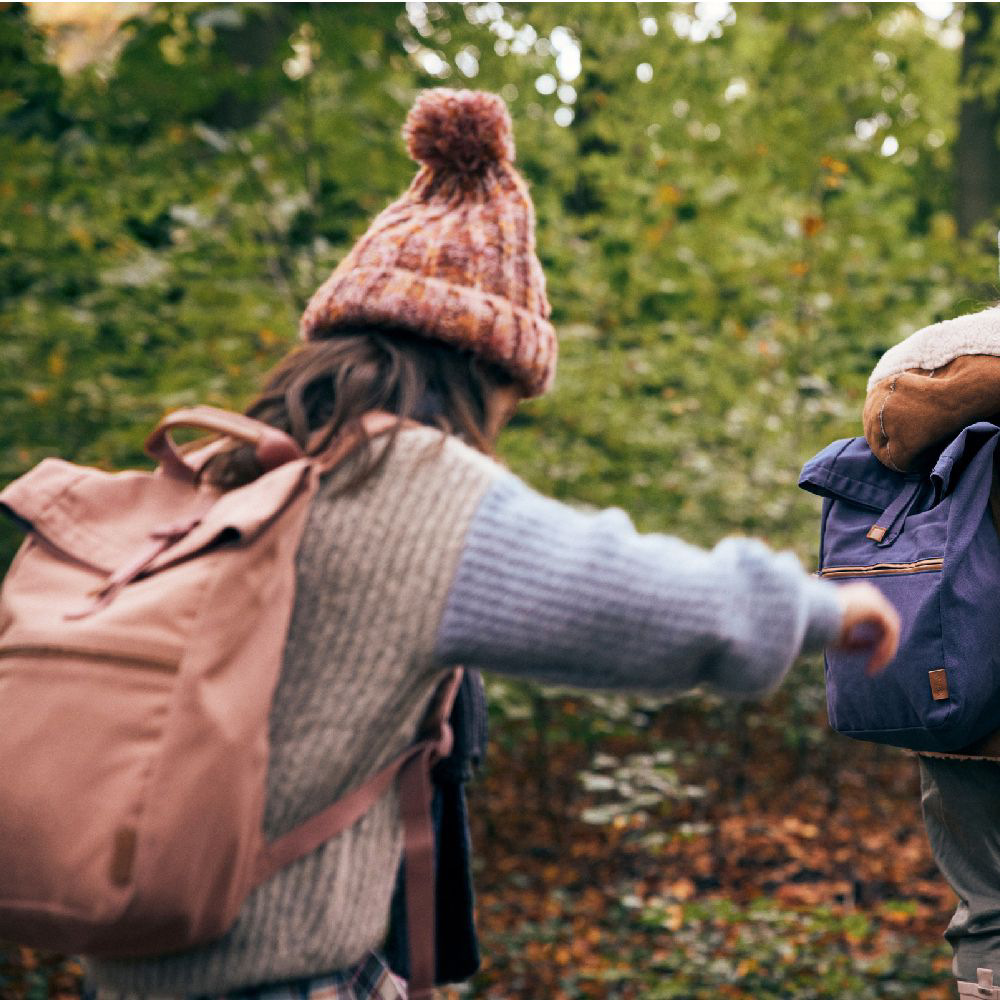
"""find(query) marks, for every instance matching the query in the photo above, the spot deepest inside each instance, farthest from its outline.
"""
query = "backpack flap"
(98, 518)
(104, 520)
(846, 470)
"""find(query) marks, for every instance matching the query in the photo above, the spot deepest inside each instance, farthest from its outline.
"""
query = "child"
(920, 395)
(422, 552)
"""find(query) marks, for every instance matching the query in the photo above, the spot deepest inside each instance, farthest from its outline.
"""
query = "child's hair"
(322, 388)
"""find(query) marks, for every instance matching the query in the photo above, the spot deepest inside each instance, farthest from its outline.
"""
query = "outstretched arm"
(544, 591)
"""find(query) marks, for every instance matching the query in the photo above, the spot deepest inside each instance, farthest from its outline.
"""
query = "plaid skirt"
(370, 980)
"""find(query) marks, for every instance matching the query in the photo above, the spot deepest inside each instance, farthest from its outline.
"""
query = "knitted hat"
(454, 257)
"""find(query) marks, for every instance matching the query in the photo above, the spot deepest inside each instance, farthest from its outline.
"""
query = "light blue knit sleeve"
(544, 591)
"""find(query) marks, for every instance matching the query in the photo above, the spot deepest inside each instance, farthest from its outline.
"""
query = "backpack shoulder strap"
(435, 737)
(413, 768)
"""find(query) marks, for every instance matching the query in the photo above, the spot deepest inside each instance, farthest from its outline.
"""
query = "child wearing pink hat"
(422, 552)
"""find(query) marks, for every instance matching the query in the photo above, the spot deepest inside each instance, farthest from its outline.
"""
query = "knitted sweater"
(444, 558)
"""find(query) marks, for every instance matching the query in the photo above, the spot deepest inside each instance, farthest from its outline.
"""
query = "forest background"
(739, 207)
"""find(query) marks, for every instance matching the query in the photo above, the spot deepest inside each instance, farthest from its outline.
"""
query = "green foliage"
(726, 255)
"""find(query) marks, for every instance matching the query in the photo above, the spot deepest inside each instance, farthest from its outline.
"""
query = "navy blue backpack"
(929, 543)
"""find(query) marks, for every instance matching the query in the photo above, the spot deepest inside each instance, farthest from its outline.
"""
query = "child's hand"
(869, 622)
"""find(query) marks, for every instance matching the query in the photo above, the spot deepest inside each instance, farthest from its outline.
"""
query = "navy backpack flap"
(929, 544)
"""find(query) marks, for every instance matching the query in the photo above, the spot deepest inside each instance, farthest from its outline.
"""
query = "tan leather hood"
(909, 414)
(926, 388)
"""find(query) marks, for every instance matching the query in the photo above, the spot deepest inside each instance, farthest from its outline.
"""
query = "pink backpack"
(142, 625)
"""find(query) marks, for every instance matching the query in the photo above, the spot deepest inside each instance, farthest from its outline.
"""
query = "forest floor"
(802, 870)
(782, 870)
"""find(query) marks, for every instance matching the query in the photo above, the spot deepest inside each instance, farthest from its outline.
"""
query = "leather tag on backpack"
(939, 684)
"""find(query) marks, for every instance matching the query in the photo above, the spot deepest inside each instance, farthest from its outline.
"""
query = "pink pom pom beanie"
(454, 258)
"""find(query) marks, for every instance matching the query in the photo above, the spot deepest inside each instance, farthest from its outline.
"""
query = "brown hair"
(322, 389)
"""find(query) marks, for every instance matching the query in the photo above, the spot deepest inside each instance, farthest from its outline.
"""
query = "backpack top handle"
(271, 446)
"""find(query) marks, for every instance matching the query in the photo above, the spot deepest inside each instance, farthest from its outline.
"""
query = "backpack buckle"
(982, 988)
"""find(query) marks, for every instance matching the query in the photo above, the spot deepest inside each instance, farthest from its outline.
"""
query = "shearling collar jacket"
(923, 392)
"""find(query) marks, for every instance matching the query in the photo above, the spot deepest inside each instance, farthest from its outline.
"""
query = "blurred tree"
(29, 103)
(977, 152)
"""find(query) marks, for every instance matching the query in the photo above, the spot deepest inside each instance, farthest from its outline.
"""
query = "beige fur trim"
(936, 345)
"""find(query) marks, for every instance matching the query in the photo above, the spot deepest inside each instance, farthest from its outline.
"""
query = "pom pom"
(460, 132)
